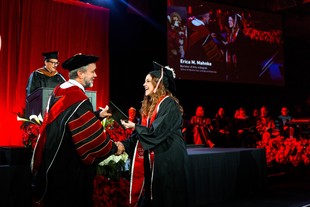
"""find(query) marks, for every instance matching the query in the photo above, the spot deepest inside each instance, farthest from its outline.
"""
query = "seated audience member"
(132, 116)
(283, 123)
(244, 130)
(265, 125)
(187, 129)
(222, 129)
(236, 113)
(201, 128)
(255, 115)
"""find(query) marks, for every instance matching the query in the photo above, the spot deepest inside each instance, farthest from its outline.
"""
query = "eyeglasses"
(55, 63)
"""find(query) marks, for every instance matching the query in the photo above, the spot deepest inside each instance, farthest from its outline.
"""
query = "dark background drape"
(30, 27)
(136, 37)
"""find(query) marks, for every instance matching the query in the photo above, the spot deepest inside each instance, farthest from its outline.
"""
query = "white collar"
(71, 82)
(197, 22)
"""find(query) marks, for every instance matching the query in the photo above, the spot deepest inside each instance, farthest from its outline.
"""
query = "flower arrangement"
(31, 129)
(110, 193)
(113, 166)
(111, 188)
(281, 150)
(116, 132)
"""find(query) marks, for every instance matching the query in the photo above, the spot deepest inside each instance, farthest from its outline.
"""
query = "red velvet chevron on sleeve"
(89, 138)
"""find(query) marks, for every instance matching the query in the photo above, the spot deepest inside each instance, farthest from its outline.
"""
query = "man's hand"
(104, 112)
(120, 148)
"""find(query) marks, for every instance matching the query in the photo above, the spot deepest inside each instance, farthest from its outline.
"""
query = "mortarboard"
(50, 55)
(79, 60)
(165, 74)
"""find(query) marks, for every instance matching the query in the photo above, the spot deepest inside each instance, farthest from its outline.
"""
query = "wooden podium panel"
(37, 101)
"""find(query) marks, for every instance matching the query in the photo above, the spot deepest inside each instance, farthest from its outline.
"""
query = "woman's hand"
(128, 124)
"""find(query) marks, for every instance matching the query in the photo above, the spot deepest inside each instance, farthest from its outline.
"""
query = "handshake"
(120, 148)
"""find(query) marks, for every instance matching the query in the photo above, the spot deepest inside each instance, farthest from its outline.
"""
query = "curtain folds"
(30, 27)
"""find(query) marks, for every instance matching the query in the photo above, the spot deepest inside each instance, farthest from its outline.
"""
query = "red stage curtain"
(30, 27)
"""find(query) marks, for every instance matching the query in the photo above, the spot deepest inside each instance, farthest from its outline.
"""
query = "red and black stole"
(137, 171)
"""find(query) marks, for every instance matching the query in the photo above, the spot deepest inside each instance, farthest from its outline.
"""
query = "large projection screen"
(217, 42)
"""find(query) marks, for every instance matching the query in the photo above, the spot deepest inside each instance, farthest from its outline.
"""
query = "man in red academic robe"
(72, 141)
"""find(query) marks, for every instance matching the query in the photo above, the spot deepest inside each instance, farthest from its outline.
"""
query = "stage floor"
(217, 174)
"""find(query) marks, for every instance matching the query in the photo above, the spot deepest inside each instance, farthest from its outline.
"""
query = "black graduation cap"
(78, 61)
(168, 76)
(50, 55)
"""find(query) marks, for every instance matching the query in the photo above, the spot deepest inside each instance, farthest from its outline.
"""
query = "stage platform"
(217, 174)
(15, 176)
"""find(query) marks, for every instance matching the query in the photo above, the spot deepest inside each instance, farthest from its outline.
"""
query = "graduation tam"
(165, 74)
(79, 60)
(50, 55)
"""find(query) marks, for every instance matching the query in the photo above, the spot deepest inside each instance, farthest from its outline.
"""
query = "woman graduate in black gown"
(159, 174)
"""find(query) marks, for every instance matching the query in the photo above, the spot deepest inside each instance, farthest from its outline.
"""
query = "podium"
(36, 102)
